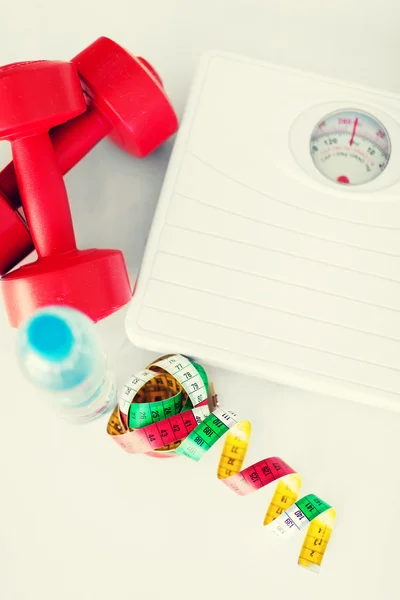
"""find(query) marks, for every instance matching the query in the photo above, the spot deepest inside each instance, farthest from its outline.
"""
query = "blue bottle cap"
(50, 337)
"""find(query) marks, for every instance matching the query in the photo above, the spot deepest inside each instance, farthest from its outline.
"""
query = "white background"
(81, 519)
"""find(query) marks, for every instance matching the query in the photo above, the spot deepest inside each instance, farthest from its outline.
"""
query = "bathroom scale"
(275, 245)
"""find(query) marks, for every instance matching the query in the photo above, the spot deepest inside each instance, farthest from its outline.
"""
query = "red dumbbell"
(34, 97)
(126, 101)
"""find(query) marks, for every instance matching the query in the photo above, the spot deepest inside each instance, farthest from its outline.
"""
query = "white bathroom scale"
(275, 246)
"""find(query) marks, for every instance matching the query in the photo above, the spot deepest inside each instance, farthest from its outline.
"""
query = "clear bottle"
(60, 352)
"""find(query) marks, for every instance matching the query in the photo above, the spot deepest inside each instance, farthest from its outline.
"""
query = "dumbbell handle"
(44, 196)
(74, 139)
(71, 142)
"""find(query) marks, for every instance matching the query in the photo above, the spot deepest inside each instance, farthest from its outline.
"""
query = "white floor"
(80, 518)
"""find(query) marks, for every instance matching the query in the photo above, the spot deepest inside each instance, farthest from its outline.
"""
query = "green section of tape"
(312, 506)
(201, 439)
(191, 450)
(144, 414)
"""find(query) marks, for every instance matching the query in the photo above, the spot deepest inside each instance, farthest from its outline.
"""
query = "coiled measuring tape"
(170, 409)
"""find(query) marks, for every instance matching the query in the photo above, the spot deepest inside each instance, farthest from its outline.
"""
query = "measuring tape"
(319, 516)
(170, 409)
(183, 383)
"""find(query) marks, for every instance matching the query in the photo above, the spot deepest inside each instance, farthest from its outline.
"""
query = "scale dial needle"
(354, 131)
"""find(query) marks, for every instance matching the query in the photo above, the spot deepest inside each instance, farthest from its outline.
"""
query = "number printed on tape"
(187, 375)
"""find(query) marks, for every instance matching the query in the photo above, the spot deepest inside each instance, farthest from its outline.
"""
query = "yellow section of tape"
(234, 450)
(285, 495)
(316, 540)
(114, 425)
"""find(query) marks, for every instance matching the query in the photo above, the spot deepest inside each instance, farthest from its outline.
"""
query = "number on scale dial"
(350, 147)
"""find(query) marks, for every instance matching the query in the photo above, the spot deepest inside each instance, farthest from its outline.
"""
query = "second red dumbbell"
(35, 97)
(126, 101)
(15, 239)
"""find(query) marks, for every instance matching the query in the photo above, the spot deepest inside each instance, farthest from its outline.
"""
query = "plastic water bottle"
(60, 352)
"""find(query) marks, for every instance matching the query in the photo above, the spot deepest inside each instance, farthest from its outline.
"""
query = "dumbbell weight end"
(93, 281)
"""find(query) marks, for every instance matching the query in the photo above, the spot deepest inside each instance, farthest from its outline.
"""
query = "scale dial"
(350, 147)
